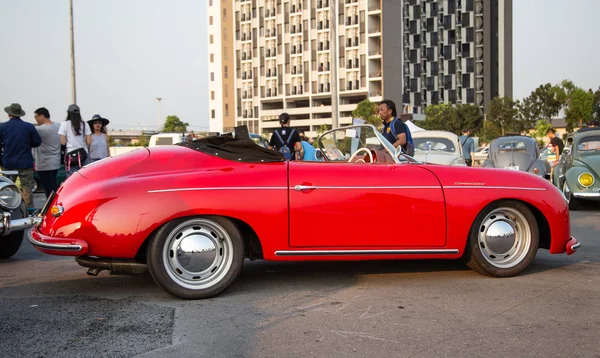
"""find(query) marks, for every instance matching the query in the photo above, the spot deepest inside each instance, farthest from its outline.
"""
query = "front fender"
(572, 175)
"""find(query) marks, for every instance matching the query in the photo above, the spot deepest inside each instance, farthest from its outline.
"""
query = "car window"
(434, 144)
(519, 146)
(589, 144)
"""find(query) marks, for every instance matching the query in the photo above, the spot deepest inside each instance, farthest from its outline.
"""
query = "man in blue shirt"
(394, 129)
(468, 147)
(17, 138)
(309, 150)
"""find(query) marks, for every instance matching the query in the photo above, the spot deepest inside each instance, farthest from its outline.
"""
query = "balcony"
(296, 70)
(296, 49)
(323, 25)
(323, 46)
(296, 8)
(322, 4)
(270, 12)
(324, 87)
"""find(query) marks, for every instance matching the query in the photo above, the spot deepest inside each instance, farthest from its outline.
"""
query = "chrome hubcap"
(504, 237)
(198, 253)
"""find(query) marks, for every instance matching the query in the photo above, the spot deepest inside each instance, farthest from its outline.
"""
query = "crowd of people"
(44, 148)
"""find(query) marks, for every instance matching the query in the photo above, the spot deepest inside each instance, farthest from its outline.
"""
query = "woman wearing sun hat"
(99, 146)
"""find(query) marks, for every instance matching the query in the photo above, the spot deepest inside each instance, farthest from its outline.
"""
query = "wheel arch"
(542, 222)
(252, 244)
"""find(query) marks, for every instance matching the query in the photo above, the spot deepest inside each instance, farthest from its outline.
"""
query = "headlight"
(10, 197)
(586, 179)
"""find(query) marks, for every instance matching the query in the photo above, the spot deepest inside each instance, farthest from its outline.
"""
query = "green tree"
(447, 117)
(143, 141)
(489, 132)
(504, 113)
(596, 108)
(580, 108)
(541, 128)
(174, 125)
(367, 111)
(545, 101)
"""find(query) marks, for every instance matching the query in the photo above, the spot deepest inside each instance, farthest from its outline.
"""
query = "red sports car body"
(190, 214)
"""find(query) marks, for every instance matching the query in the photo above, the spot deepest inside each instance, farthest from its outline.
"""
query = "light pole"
(334, 54)
(158, 99)
(73, 85)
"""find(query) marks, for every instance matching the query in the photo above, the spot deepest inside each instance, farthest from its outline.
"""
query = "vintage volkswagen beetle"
(577, 173)
(517, 152)
(14, 216)
(438, 147)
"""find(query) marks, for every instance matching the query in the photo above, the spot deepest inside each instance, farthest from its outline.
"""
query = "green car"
(577, 173)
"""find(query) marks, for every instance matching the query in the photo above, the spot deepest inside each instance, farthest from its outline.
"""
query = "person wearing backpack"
(286, 140)
(394, 130)
(468, 147)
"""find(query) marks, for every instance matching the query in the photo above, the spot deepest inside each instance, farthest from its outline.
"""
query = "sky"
(129, 52)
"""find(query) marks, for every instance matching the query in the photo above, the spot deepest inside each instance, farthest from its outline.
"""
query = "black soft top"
(240, 150)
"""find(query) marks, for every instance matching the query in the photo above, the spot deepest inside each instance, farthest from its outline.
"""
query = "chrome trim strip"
(364, 252)
(586, 195)
(378, 187)
(59, 247)
(491, 187)
(221, 188)
(576, 246)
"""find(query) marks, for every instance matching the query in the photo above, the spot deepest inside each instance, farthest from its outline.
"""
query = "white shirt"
(74, 141)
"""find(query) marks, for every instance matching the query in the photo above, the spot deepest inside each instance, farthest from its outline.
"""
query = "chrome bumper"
(8, 225)
(586, 195)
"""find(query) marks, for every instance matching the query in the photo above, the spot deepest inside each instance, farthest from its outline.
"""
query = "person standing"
(17, 139)
(286, 139)
(74, 135)
(99, 144)
(468, 147)
(308, 149)
(394, 129)
(556, 147)
(47, 155)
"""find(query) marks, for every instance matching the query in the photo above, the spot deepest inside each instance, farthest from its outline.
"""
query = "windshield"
(341, 144)
(589, 144)
(434, 144)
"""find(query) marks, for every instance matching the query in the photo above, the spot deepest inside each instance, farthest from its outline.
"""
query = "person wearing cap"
(288, 137)
(99, 148)
(74, 135)
(47, 155)
(17, 138)
(592, 125)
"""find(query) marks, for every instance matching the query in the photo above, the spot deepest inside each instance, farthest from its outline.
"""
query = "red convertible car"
(189, 214)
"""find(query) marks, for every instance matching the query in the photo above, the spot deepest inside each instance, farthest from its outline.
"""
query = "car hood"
(436, 157)
(591, 162)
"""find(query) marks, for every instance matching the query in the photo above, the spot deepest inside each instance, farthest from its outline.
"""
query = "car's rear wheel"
(504, 239)
(195, 258)
(10, 244)
(572, 202)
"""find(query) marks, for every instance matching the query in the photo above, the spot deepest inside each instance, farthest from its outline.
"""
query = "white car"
(481, 154)
(438, 147)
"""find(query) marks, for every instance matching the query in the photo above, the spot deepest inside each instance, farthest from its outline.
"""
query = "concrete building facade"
(456, 51)
(277, 56)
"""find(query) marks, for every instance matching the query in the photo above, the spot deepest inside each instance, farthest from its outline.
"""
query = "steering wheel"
(361, 150)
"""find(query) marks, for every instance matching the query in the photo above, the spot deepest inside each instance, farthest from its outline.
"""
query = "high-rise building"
(456, 51)
(274, 56)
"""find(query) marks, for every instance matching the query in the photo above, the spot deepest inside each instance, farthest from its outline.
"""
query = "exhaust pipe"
(115, 266)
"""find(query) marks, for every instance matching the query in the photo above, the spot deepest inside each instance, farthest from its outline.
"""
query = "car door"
(340, 204)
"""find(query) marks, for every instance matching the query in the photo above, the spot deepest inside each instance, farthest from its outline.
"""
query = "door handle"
(305, 187)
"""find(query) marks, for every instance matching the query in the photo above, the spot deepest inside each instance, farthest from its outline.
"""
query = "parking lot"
(50, 307)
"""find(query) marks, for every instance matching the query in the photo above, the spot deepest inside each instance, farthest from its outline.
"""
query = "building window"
(226, 110)
(224, 14)
(212, 76)
(212, 113)
(224, 33)
(210, 2)
(210, 20)
(225, 70)
(212, 95)
(211, 39)
(224, 53)
(226, 90)
(212, 57)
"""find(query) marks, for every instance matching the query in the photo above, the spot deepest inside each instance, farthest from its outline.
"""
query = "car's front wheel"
(10, 244)
(504, 239)
(196, 258)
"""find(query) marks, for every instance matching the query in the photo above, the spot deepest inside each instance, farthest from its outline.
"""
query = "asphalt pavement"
(50, 307)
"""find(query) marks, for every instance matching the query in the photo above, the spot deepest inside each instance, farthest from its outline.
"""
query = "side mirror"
(319, 155)
(567, 150)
